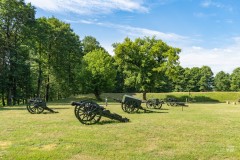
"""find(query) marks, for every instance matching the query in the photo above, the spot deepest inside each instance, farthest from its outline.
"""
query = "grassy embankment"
(181, 96)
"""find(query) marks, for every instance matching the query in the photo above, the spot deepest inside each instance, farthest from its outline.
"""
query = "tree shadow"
(192, 99)
(12, 108)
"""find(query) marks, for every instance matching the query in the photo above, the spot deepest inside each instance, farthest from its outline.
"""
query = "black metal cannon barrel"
(89, 112)
(37, 106)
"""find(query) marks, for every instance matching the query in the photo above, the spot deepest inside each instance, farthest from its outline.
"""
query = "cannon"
(89, 112)
(154, 103)
(37, 106)
(174, 102)
(131, 104)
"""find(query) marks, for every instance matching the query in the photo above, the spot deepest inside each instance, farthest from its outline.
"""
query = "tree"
(16, 18)
(180, 82)
(98, 72)
(235, 79)
(90, 44)
(222, 81)
(206, 79)
(144, 62)
(57, 53)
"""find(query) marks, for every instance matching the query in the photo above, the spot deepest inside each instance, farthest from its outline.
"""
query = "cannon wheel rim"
(149, 104)
(158, 106)
(77, 107)
(129, 106)
(76, 110)
(86, 115)
(34, 110)
(123, 107)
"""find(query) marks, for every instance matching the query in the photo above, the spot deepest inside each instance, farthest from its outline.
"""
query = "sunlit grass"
(200, 131)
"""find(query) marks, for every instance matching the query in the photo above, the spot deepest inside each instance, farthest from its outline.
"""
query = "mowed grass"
(200, 131)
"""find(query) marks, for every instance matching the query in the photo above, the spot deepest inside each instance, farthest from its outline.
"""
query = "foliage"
(89, 44)
(235, 80)
(16, 19)
(98, 72)
(144, 62)
(222, 81)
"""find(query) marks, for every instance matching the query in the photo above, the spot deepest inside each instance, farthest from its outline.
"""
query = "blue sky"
(207, 31)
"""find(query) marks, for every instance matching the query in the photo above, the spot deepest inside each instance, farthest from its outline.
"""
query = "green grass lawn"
(200, 131)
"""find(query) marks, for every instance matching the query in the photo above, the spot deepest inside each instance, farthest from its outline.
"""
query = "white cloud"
(212, 3)
(86, 7)
(135, 31)
(219, 59)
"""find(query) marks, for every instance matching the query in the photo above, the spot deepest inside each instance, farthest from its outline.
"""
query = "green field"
(200, 131)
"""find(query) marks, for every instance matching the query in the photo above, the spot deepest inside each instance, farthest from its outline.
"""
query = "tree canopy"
(98, 72)
(144, 61)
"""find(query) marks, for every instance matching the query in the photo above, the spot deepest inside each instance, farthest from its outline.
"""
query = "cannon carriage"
(174, 102)
(37, 106)
(131, 104)
(154, 103)
(89, 112)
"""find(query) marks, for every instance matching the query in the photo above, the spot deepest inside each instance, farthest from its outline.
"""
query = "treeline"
(44, 58)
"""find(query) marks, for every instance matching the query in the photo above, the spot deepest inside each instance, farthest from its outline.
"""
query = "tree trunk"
(9, 97)
(47, 89)
(144, 95)
(97, 95)
(14, 96)
(3, 100)
(39, 82)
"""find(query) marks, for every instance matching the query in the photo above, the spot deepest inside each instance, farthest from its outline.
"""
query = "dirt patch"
(48, 147)
(5, 144)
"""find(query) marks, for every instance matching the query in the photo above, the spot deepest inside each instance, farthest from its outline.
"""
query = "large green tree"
(235, 79)
(145, 61)
(222, 81)
(57, 52)
(98, 72)
(206, 79)
(16, 17)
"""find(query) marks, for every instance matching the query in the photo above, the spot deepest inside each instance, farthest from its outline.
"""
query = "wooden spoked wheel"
(34, 109)
(130, 107)
(88, 113)
(150, 104)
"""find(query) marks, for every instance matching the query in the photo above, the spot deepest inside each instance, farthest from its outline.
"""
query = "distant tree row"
(44, 58)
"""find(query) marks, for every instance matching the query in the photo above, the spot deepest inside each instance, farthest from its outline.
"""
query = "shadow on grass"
(193, 99)
(103, 122)
(62, 108)
(50, 112)
(147, 112)
(12, 108)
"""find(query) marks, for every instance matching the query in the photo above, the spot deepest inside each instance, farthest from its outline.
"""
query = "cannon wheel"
(158, 106)
(34, 109)
(88, 114)
(130, 107)
(149, 104)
